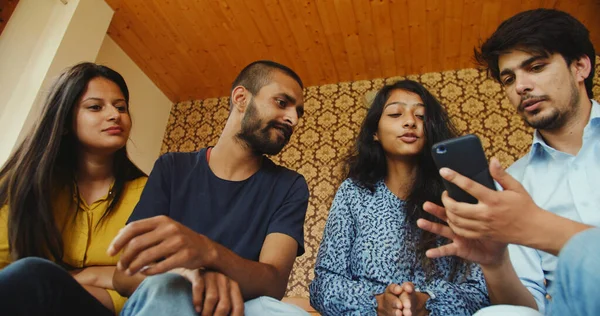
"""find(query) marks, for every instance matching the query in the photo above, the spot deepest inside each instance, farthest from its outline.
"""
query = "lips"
(113, 130)
(409, 138)
(531, 104)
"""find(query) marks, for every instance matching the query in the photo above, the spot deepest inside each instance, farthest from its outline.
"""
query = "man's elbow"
(278, 292)
(276, 288)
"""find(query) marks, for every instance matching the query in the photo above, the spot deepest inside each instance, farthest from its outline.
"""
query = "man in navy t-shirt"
(226, 222)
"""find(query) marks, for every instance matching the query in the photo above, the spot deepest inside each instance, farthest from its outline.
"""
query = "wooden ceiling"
(193, 49)
(6, 9)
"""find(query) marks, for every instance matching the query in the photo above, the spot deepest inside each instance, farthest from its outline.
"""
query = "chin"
(544, 120)
(111, 147)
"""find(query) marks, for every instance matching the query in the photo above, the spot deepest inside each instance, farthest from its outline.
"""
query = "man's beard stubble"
(555, 119)
(259, 139)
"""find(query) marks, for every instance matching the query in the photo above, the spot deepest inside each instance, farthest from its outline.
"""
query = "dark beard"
(548, 122)
(556, 119)
(259, 139)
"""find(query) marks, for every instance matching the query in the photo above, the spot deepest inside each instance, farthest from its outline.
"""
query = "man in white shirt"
(545, 61)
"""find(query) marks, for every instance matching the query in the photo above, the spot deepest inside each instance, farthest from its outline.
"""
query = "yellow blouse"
(85, 242)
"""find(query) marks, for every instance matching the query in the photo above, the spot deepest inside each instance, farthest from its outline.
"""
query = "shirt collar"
(83, 202)
(539, 145)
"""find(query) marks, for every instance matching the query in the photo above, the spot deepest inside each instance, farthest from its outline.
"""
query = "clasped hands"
(160, 244)
(400, 300)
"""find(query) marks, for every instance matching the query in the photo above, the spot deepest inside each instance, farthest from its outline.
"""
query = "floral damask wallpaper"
(333, 114)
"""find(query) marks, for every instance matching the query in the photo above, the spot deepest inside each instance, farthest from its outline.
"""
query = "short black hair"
(258, 74)
(542, 32)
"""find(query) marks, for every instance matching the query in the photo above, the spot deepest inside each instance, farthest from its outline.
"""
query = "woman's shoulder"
(352, 188)
(137, 184)
(133, 188)
(355, 185)
(349, 185)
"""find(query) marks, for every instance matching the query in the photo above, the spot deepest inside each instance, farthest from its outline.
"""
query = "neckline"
(208, 154)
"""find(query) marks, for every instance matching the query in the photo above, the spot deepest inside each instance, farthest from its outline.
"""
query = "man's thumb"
(504, 179)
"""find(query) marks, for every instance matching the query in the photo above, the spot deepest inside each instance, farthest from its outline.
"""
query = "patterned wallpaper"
(333, 114)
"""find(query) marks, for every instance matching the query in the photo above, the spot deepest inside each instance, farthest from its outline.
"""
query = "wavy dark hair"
(542, 32)
(45, 162)
(366, 164)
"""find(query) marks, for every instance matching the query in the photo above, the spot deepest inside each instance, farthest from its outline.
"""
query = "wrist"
(499, 263)
(211, 254)
(530, 233)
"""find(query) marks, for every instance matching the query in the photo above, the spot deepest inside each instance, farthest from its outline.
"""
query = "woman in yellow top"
(64, 194)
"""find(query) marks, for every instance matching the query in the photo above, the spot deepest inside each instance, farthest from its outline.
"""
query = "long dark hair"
(366, 163)
(46, 161)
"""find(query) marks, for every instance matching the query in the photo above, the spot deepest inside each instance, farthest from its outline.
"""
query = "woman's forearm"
(97, 276)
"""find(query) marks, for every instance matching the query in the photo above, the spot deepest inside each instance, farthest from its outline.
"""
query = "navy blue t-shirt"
(237, 214)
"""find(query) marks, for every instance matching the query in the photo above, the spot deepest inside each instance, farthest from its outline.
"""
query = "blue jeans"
(575, 289)
(35, 286)
(171, 294)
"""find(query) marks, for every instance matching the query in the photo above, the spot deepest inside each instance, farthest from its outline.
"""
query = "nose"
(523, 84)
(410, 121)
(113, 113)
(291, 116)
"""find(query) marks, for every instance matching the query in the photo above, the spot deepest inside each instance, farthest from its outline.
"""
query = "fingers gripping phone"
(464, 155)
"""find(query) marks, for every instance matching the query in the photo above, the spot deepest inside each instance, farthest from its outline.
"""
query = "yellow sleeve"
(4, 254)
(118, 300)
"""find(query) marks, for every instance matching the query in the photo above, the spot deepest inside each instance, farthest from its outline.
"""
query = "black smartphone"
(464, 155)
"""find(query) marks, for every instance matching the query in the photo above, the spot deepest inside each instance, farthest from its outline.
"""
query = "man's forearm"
(254, 278)
(504, 286)
(550, 232)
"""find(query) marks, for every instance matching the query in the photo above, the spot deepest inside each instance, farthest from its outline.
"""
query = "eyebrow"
(404, 104)
(100, 99)
(523, 64)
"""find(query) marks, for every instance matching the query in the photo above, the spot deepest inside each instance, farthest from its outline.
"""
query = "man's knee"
(162, 294)
(581, 254)
(507, 310)
(166, 283)
(577, 264)
(265, 305)
(581, 245)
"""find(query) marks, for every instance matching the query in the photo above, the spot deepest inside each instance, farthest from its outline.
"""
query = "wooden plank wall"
(6, 9)
(194, 49)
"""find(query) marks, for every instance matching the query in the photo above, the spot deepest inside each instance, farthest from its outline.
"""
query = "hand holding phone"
(464, 155)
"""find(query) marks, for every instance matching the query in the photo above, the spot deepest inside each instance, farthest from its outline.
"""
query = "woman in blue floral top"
(372, 258)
